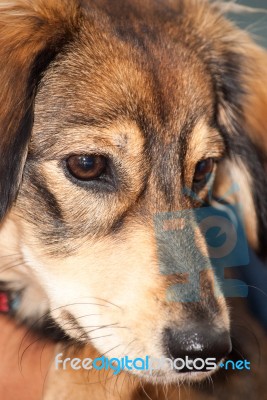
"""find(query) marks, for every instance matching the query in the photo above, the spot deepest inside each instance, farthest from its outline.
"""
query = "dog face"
(108, 122)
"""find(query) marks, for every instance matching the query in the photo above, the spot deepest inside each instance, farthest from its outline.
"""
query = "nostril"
(197, 343)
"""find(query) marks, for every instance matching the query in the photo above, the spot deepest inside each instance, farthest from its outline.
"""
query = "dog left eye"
(86, 167)
(203, 170)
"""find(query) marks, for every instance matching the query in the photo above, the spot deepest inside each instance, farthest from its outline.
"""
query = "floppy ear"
(241, 85)
(238, 68)
(255, 106)
(32, 32)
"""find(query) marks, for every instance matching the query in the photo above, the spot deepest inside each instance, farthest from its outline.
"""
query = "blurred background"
(255, 23)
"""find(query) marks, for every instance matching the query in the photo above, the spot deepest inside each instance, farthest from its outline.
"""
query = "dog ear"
(255, 106)
(239, 68)
(32, 32)
(254, 125)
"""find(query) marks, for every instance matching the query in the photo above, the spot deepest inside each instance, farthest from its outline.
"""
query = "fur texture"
(154, 88)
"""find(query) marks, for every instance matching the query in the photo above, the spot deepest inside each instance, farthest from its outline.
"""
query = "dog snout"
(196, 343)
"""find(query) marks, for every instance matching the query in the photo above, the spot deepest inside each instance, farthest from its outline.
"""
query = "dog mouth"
(190, 355)
(173, 375)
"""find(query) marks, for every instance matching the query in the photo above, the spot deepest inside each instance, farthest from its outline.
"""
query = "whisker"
(113, 348)
(47, 314)
(10, 255)
(86, 315)
(259, 289)
(143, 389)
(100, 337)
(97, 327)
(101, 299)
(20, 264)
(24, 351)
(239, 353)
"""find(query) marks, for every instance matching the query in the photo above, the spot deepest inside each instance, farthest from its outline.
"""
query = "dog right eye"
(86, 167)
(203, 170)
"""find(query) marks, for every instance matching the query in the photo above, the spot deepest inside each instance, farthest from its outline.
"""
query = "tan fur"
(92, 258)
(256, 105)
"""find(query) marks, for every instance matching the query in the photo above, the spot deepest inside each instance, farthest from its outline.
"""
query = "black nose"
(198, 342)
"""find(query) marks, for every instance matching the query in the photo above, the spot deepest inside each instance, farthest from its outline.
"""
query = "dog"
(114, 116)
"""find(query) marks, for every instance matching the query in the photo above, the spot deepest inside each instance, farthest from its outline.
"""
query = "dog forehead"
(125, 69)
(105, 78)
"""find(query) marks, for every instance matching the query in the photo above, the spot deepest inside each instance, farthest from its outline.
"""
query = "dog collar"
(4, 303)
(9, 302)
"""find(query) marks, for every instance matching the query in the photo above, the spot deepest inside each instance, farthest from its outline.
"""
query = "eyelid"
(197, 187)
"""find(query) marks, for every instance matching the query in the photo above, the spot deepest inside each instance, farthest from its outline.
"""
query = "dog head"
(108, 113)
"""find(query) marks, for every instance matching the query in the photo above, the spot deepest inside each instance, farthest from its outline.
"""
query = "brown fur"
(156, 87)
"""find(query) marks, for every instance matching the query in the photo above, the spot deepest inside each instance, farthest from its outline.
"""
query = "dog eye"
(86, 167)
(203, 170)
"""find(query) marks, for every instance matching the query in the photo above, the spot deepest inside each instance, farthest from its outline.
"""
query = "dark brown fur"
(156, 87)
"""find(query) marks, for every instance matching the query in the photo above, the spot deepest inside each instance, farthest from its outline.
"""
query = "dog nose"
(196, 343)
